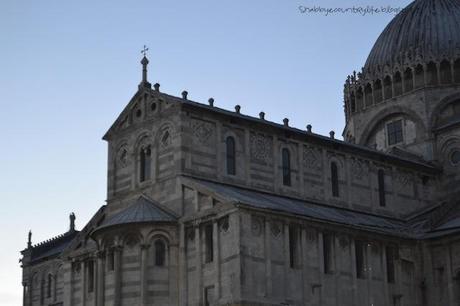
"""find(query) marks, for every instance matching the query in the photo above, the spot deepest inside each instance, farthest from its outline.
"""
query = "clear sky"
(67, 69)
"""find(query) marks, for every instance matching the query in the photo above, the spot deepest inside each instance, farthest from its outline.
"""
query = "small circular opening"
(455, 157)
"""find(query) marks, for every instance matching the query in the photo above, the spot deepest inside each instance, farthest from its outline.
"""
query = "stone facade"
(207, 206)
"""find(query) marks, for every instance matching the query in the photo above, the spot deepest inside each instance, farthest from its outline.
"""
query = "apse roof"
(142, 210)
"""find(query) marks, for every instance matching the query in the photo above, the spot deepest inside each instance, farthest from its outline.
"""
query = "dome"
(425, 30)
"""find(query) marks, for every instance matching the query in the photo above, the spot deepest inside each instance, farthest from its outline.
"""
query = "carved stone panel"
(202, 131)
(261, 148)
(311, 158)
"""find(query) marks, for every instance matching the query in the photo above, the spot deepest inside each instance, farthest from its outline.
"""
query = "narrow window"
(208, 243)
(90, 276)
(111, 261)
(208, 295)
(394, 132)
(381, 179)
(328, 255)
(160, 253)
(48, 288)
(360, 254)
(334, 180)
(293, 246)
(231, 159)
(390, 262)
(42, 292)
(145, 161)
(286, 167)
(353, 102)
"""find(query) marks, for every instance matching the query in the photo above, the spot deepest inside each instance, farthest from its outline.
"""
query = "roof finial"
(72, 222)
(29, 240)
(144, 63)
(144, 50)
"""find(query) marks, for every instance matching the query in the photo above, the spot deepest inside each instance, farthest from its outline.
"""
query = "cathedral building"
(207, 206)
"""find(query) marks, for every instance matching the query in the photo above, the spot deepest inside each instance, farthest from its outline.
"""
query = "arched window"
(231, 159)
(368, 95)
(111, 260)
(286, 160)
(408, 80)
(419, 76)
(352, 102)
(160, 253)
(395, 132)
(90, 275)
(381, 182)
(144, 163)
(42, 292)
(334, 180)
(387, 86)
(378, 91)
(397, 84)
(48, 287)
(446, 75)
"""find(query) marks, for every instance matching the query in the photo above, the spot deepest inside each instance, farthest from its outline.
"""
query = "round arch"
(375, 121)
(441, 105)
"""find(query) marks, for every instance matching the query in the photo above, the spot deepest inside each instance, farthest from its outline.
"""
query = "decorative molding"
(276, 228)
(261, 147)
(311, 158)
(202, 131)
(256, 225)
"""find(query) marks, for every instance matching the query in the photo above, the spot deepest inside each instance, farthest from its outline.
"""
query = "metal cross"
(144, 51)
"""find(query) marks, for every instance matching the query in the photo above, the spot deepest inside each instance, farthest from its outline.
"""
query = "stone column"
(84, 289)
(287, 258)
(68, 277)
(373, 93)
(303, 247)
(353, 270)
(403, 82)
(24, 293)
(369, 267)
(425, 77)
(100, 288)
(321, 267)
(385, 275)
(337, 268)
(438, 73)
(268, 259)
(392, 80)
(199, 265)
(216, 246)
(398, 281)
(450, 283)
(31, 292)
(182, 266)
(144, 269)
(117, 281)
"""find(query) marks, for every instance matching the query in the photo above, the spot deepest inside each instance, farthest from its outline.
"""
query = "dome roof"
(425, 29)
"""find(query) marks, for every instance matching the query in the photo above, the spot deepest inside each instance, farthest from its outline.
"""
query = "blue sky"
(67, 68)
